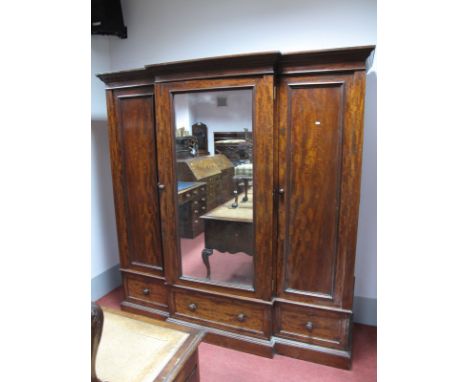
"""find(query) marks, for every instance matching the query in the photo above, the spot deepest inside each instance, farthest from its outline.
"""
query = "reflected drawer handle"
(203, 208)
(241, 317)
(195, 212)
(146, 291)
(192, 307)
(309, 325)
(203, 199)
(188, 195)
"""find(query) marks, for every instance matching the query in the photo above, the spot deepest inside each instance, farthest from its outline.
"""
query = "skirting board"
(365, 308)
(105, 282)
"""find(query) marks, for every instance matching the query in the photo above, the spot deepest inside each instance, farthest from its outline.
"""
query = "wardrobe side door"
(134, 170)
(319, 142)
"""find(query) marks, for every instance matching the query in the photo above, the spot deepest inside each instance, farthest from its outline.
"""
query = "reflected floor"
(225, 267)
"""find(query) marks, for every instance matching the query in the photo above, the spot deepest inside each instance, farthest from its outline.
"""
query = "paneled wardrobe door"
(132, 138)
(217, 209)
(320, 133)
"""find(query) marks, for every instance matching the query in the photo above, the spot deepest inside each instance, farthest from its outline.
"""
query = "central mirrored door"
(214, 158)
(220, 182)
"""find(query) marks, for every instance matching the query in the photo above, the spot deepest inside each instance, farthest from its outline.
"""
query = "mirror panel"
(214, 167)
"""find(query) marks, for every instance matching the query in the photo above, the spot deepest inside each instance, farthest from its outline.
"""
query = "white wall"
(202, 107)
(104, 249)
(170, 30)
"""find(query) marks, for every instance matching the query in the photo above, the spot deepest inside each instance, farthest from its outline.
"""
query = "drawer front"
(223, 313)
(146, 290)
(315, 326)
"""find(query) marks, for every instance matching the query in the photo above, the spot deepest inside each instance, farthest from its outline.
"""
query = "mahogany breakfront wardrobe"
(267, 265)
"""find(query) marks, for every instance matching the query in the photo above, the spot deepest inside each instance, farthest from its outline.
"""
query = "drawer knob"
(146, 291)
(241, 317)
(192, 307)
(161, 186)
(309, 325)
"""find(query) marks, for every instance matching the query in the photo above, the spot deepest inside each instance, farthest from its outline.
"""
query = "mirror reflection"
(214, 156)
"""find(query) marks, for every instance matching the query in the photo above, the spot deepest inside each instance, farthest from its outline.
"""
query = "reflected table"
(229, 229)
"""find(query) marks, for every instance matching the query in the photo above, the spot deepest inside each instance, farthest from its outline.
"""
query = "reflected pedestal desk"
(228, 228)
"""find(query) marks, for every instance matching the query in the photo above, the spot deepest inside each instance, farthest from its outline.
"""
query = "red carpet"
(218, 364)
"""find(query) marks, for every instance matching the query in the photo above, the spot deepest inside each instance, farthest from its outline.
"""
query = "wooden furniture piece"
(216, 171)
(192, 204)
(200, 131)
(236, 145)
(186, 147)
(134, 348)
(228, 228)
(307, 126)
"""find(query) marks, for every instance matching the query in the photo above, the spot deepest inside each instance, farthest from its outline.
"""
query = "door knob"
(161, 186)
(281, 191)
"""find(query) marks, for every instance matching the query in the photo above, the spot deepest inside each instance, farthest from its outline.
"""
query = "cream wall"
(169, 30)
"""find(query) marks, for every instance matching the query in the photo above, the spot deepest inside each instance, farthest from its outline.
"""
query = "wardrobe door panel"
(311, 136)
(135, 174)
(315, 154)
(217, 208)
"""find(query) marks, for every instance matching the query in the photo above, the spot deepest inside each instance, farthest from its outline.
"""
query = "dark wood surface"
(134, 172)
(333, 172)
(315, 326)
(306, 200)
(313, 163)
(263, 177)
(244, 317)
(255, 64)
(192, 204)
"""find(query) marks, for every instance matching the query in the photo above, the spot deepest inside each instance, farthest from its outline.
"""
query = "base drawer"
(145, 290)
(316, 326)
(223, 313)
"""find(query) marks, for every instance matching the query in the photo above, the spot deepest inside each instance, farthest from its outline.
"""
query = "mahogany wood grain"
(262, 89)
(316, 326)
(223, 313)
(306, 182)
(312, 185)
(133, 148)
(337, 265)
(335, 358)
(148, 291)
(341, 59)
